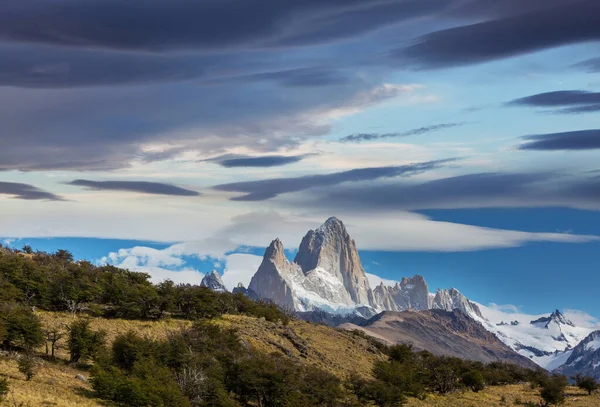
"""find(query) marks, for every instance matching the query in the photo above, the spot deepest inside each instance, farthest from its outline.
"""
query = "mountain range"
(326, 283)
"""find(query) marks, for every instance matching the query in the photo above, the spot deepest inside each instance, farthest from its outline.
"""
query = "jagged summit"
(556, 317)
(213, 281)
(584, 358)
(327, 274)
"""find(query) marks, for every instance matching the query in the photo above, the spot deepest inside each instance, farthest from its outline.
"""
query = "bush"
(83, 342)
(586, 383)
(553, 390)
(4, 388)
(27, 366)
(19, 327)
(473, 379)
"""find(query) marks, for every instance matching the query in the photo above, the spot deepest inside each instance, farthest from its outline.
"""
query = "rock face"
(274, 277)
(453, 299)
(556, 317)
(585, 358)
(410, 293)
(442, 333)
(327, 275)
(213, 281)
(331, 248)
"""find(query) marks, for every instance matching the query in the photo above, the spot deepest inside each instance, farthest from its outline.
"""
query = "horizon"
(457, 139)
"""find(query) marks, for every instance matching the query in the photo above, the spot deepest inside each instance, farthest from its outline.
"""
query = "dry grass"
(53, 385)
(338, 352)
(492, 397)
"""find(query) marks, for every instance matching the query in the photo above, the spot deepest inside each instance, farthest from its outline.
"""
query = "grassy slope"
(492, 397)
(336, 351)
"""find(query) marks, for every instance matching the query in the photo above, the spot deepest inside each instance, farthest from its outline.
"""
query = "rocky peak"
(556, 317)
(275, 253)
(331, 249)
(213, 281)
(585, 358)
(453, 299)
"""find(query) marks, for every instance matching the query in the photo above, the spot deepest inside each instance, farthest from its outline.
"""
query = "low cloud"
(143, 187)
(235, 161)
(569, 140)
(270, 188)
(27, 192)
(565, 101)
(414, 132)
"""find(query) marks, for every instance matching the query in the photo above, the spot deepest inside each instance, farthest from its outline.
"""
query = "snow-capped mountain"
(584, 358)
(213, 281)
(326, 283)
(548, 340)
(327, 275)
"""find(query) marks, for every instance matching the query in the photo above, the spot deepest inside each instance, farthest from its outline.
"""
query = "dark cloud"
(559, 98)
(27, 192)
(590, 65)
(579, 109)
(414, 132)
(565, 101)
(155, 188)
(235, 161)
(199, 24)
(302, 77)
(464, 191)
(568, 23)
(269, 188)
(569, 140)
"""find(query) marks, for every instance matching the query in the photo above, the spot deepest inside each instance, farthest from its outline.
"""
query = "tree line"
(55, 282)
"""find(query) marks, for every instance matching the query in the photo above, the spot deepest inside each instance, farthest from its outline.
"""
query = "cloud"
(92, 129)
(269, 188)
(200, 25)
(414, 132)
(571, 101)
(462, 191)
(590, 65)
(375, 280)
(569, 140)
(568, 23)
(235, 161)
(144, 187)
(559, 98)
(26, 192)
(239, 268)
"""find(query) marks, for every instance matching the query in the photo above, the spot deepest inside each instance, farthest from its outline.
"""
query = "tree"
(586, 383)
(20, 327)
(83, 342)
(473, 379)
(553, 390)
(27, 366)
(54, 333)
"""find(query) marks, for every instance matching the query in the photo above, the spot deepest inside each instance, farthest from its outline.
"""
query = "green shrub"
(473, 379)
(586, 383)
(553, 390)
(20, 327)
(4, 388)
(27, 366)
(84, 343)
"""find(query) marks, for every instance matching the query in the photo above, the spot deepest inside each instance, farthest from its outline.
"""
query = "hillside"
(336, 351)
(442, 333)
(56, 383)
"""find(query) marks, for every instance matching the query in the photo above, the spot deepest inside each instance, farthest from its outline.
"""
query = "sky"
(457, 139)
